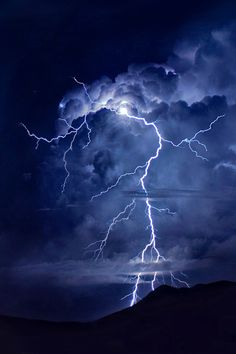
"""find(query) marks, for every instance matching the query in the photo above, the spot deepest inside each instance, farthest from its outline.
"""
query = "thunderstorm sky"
(181, 82)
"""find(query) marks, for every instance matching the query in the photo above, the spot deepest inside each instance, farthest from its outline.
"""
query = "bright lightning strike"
(150, 253)
(124, 215)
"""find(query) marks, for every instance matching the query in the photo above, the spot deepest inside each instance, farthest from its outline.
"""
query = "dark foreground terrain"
(200, 320)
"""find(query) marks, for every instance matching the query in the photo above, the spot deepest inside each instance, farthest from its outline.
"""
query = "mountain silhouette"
(201, 319)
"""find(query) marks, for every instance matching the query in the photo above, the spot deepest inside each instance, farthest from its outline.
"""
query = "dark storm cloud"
(200, 192)
(205, 74)
(118, 145)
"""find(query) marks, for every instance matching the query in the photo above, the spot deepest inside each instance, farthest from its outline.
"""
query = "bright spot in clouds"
(123, 110)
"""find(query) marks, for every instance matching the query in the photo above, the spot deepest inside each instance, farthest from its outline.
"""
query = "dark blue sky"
(43, 234)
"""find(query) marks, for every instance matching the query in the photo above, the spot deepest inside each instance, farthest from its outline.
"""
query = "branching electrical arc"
(150, 253)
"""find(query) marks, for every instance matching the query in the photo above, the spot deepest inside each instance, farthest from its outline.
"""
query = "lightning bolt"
(117, 219)
(151, 247)
(193, 139)
(164, 210)
(150, 253)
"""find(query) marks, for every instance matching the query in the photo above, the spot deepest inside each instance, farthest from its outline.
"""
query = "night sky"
(172, 62)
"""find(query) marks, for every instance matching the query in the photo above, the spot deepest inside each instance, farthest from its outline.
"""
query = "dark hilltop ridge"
(200, 320)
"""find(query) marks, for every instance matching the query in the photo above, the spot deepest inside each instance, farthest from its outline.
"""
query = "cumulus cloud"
(206, 65)
(182, 97)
